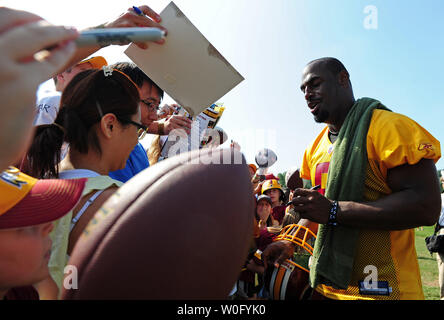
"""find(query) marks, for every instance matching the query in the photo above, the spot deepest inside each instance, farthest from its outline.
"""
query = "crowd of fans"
(65, 157)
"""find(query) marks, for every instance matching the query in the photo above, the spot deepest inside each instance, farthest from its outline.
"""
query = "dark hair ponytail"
(44, 152)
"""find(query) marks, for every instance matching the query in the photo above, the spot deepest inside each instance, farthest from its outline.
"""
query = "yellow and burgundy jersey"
(392, 140)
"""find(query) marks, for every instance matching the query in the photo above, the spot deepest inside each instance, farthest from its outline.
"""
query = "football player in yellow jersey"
(401, 189)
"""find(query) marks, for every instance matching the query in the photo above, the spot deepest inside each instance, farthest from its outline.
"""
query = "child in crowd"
(28, 208)
(273, 189)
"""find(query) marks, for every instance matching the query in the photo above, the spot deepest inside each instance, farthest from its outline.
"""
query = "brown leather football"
(178, 230)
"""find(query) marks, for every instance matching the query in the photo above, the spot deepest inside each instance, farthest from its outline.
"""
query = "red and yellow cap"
(26, 201)
(271, 184)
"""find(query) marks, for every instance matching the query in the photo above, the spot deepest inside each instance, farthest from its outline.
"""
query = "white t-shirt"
(47, 107)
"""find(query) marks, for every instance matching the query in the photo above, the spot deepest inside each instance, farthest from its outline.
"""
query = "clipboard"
(187, 66)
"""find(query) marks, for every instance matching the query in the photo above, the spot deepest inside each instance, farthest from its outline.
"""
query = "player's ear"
(344, 79)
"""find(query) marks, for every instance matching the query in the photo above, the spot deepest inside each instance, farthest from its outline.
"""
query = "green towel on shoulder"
(334, 250)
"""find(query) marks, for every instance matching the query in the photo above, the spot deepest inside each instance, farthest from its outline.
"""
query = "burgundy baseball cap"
(26, 201)
(271, 176)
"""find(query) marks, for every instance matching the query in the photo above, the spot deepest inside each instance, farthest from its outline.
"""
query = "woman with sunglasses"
(100, 120)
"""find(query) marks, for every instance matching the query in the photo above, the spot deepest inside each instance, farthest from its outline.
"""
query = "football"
(180, 229)
(265, 158)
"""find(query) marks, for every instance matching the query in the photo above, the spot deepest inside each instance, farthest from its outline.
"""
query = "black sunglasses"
(142, 130)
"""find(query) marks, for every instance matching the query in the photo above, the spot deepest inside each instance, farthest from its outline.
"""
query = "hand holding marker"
(138, 11)
(314, 188)
(119, 36)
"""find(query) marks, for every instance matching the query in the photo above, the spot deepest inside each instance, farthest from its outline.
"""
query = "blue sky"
(269, 43)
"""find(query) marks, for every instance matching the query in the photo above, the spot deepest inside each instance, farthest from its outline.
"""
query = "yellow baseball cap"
(26, 201)
(271, 184)
(97, 62)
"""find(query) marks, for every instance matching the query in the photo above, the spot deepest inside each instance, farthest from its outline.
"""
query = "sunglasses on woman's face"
(141, 132)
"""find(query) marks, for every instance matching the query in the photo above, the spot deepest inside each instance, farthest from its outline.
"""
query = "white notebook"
(187, 67)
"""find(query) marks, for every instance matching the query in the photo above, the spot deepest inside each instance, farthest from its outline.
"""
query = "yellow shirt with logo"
(393, 140)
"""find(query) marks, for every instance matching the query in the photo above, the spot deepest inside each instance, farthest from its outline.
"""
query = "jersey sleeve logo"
(424, 146)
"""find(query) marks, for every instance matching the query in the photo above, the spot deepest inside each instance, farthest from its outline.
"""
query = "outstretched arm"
(415, 201)
(128, 19)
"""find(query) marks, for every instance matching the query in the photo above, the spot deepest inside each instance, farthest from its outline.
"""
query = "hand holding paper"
(187, 66)
(131, 19)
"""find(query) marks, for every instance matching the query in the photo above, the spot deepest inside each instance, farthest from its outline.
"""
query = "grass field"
(427, 265)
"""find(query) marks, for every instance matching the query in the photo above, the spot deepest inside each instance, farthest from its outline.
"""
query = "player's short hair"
(332, 64)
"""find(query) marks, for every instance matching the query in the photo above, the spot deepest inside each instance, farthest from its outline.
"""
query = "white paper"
(178, 142)
(187, 66)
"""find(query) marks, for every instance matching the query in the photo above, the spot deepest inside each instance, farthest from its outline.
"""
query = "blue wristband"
(332, 218)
